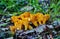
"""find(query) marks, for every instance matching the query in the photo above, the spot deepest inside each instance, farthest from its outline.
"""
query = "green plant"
(54, 9)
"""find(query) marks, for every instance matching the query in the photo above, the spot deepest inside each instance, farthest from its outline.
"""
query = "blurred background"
(9, 8)
(17, 6)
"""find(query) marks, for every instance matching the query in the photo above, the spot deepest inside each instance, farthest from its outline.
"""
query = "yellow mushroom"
(25, 18)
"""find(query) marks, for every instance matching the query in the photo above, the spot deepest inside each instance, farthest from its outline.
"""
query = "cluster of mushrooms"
(24, 20)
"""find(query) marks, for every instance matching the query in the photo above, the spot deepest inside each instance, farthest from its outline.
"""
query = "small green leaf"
(4, 24)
